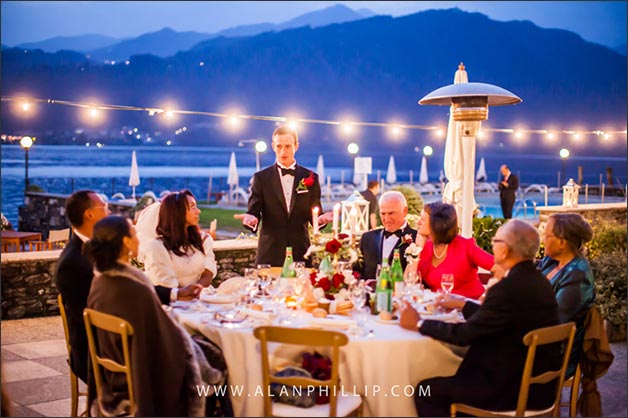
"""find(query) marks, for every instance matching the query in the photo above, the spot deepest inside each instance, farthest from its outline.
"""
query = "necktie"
(388, 233)
(287, 171)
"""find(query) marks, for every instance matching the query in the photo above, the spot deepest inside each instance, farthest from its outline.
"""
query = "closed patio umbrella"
(423, 178)
(232, 177)
(320, 169)
(134, 178)
(481, 173)
(391, 173)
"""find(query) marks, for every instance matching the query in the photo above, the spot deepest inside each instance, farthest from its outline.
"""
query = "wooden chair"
(338, 406)
(114, 325)
(74, 383)
(573, 383)
(533, 339)
(57, 239)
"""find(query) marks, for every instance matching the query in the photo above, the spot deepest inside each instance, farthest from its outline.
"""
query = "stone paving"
(36, 373)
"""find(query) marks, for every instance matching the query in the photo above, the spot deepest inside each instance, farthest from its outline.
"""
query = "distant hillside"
(81, 43)
(621, 49)
(373, 69)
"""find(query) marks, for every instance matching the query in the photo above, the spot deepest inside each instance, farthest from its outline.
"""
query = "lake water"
(61, 169)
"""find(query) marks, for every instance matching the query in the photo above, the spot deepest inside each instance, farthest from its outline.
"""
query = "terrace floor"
(36, 374)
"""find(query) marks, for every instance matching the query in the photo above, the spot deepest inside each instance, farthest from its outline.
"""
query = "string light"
(347, 127)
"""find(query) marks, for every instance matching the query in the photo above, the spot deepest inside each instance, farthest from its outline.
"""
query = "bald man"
(507, 190)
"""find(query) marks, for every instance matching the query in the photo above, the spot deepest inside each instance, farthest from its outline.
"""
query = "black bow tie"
(289, 171)
(397, 233)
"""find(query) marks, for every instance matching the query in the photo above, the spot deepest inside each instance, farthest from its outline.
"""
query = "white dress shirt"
(390, 243)
(287, 183)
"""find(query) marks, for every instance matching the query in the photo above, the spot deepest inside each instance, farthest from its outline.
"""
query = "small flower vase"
(326, 266)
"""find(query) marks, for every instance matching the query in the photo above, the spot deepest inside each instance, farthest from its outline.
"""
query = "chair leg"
(573, 398)
(74, 394)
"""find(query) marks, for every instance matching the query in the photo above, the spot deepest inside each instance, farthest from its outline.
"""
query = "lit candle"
(352, 219)
(315, 220)
(336, 218)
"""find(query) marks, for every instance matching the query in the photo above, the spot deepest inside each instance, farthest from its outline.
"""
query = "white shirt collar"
(81, 236)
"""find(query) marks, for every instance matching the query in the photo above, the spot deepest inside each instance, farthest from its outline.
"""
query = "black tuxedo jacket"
(74, 279)
(371, 245)
(280, 227)
(521, 302)
(513, 185)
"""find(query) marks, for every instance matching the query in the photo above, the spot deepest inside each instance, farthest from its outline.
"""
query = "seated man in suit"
(75, 273)
(490, 374)
(379, 243)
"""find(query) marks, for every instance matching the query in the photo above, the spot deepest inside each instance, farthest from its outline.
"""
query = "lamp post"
(469, 103)
(564, 154)
(26, 143)
(260, 146)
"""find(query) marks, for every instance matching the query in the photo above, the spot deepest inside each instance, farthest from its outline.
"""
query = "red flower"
(309, 181)
(324, 284)
(343, 236)
(313, 278)
(333, 246)
(338, 280)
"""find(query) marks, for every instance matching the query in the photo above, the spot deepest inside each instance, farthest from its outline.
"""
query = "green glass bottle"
(383, 293)
(396, 275)
(288, 265)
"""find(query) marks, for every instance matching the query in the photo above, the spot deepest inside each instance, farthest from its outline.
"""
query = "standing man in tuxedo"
(379, 243)
(490, 373)
(282, 198)
(75, 273)
(507, 189)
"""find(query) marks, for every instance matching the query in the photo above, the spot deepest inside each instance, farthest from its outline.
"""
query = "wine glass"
(447, 282)
(358, 295)
(263, 277)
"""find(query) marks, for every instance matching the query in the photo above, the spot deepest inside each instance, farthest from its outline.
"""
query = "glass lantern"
(570, 194)
(355, 215)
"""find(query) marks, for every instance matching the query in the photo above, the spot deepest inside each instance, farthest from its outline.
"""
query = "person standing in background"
(507, 188)
(370, 194)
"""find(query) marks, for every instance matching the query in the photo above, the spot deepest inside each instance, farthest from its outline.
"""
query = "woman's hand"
(450, 301)
(409, 317)
(420, 240)
(206, 278)
(498, 271)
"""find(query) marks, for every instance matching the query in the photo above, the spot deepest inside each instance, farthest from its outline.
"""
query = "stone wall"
(43, 212)
(28, 286)
(594, 213)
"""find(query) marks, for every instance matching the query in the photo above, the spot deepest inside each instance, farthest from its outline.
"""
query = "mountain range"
(373, 69)
(167, 42)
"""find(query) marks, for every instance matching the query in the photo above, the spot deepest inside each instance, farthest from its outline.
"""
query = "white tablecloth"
(384, 368)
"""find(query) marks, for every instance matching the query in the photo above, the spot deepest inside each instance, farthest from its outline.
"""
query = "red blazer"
(462, 260)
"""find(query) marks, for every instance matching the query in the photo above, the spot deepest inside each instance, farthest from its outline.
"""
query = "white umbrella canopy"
(454, 160)
(391, 173)
(232, 177)
(481, 173)
(423, 178)
(320, 169)
(134, 177)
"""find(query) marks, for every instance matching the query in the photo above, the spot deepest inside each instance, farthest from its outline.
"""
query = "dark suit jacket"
(74, 278)
(281, 228)
(513, 185)
(519, 303)
(371, 251)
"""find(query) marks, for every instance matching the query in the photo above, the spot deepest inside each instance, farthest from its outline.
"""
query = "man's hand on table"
(450, 301)
(409, 317)
(189, 292)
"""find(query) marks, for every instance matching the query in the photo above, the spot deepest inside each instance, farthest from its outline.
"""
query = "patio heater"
(469, 102)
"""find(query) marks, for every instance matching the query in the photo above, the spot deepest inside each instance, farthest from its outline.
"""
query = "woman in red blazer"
(445, 251)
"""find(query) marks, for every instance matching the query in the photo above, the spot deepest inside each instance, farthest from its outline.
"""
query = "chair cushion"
(346, 405)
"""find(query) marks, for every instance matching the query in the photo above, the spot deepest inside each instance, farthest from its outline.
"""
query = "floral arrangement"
(334, 285)
(338, 247)
(412, 252)
(306, 182)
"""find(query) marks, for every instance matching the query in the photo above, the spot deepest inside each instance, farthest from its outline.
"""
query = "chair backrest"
(305, 337)
(66, 330)
(115, 325)
(534, 339)
(57, 235)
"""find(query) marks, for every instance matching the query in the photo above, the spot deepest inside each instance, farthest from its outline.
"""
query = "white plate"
(218, 298)
(387, 321)
(333, 323)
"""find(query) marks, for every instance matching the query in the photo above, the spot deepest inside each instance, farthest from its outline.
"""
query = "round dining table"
(383, 365)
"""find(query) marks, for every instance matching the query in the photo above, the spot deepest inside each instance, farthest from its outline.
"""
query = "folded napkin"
(333, 322)
(230, 286)
(218, 298)
(258, 314)
(445, 317)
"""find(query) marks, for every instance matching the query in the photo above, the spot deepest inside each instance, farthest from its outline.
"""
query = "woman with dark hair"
(166, 364)
(446, 252)
(182, 254)
(569, 273)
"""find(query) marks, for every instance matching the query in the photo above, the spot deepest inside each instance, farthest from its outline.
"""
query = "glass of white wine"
(447, 283)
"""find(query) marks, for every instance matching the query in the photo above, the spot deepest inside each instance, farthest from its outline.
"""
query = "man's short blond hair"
(286, 129)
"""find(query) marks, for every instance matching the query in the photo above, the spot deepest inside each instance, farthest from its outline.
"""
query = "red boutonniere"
(407, 239)
(306, 182)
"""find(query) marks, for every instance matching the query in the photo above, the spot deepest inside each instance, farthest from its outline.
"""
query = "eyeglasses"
(105, 206)
(497, 240)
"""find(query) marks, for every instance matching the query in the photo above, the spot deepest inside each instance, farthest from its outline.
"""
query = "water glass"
(447, 283)
(358, 295)
(263, 276)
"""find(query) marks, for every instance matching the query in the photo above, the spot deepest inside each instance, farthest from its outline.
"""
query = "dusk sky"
(28, 21)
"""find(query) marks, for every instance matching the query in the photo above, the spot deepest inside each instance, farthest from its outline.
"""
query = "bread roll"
(319, 313)
(385, 316)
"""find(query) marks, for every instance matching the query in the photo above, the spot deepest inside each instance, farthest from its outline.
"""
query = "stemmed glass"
(263, 277)
(358, 295)
(447, 283)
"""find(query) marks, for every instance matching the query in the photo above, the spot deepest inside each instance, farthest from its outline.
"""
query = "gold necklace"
(442, 254)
